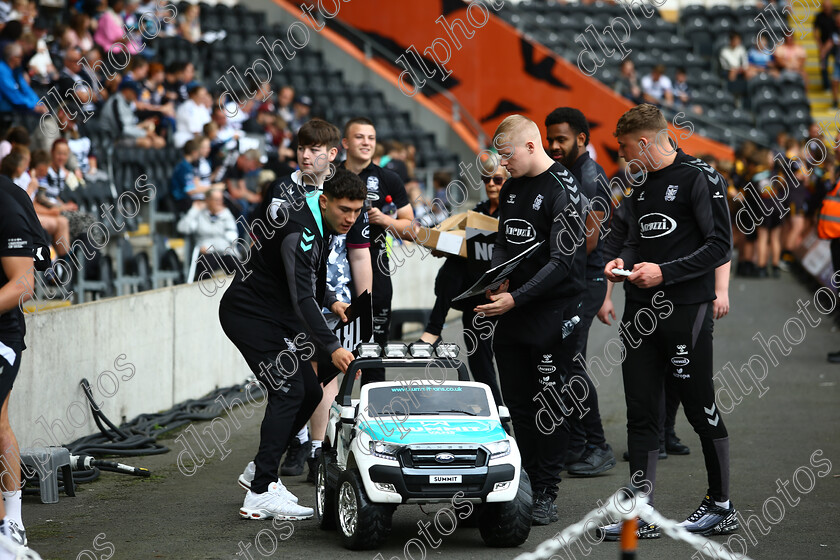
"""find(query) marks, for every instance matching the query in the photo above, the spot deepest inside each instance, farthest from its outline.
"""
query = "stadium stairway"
(820, 99)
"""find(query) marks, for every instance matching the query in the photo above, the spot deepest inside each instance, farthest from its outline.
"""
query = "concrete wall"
(148, 351)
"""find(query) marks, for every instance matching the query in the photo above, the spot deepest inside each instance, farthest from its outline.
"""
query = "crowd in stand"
(146, 105)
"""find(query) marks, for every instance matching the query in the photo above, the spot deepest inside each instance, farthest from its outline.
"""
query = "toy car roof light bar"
(369, 350)
(420, 350)
(396, 350)
(447, 350)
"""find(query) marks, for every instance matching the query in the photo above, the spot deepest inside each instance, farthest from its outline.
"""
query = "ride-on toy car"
(419, 441)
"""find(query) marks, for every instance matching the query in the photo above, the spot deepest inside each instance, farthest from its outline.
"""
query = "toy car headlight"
(385, 450)
(420, 350)
(498, 448)
(369, 350)
(447, 350)
(396, 350)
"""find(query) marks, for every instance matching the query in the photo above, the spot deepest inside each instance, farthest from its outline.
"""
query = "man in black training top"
(567, 133)
(679, 232)
(24, 248)
(539, 203)
(273, 316)
(360, 143)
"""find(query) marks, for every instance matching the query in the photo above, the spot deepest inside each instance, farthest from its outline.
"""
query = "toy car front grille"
(444, 457)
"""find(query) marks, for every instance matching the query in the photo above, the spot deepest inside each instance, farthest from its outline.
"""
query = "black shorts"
(10, 353)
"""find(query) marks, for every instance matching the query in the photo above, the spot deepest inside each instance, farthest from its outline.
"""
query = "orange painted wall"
(497, 66)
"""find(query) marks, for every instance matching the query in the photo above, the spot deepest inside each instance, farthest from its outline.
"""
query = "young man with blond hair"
(540, 203)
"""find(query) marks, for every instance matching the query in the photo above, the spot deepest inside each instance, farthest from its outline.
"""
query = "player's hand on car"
(340, 309)
(646, 275)
(341, 359)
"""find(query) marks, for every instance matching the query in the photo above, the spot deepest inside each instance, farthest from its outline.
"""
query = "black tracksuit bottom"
(281, 363)
(679, 347)
(535, 371)
(587, 429)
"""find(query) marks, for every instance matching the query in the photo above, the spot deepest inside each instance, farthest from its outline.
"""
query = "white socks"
(303, 434)
(316, 445)
(724, 505)
(12, 501)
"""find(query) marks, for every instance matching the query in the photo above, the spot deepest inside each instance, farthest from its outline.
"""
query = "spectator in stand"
(110, 29)
(396, 160)
(733, 62)
(15, 136)
(83, 161)
(243, 198)
(682, 93)
(760, 59)
(180, 76)
(15, 94)
(833, 45)
(188, 25)
(80, 35)
(302, 110)
(56, 225)
(192, 115)
(285, 99)
(16, 167)
(628, 83)
(117, 114)
(103, 82)
(204, 169)
(657, 88)
(826, 26)
(184, 185)
(214, 228)
(70, 79)
(790, 58)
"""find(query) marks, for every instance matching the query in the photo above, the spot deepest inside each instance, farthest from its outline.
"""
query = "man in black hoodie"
(540, 203)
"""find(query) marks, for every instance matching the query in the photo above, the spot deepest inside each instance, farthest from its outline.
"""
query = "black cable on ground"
(137, 437)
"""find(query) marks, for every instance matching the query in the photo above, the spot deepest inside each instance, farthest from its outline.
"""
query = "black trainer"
(545, 510)
(673, 445)
(296, 455)
(612, 532)
(594, 461)
(711, 519)
(313, 466)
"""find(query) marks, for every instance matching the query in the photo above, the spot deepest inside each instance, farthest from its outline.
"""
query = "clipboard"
(494, 277)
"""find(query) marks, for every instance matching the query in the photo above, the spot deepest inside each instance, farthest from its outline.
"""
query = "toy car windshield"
(428, 400)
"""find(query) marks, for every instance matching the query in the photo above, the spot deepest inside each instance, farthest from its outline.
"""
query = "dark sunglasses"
(497, 179)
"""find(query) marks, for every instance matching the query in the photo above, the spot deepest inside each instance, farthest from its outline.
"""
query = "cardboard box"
(470, 234)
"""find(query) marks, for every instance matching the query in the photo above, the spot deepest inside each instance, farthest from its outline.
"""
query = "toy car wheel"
(508, 524)
(362, 524)
(324, 494)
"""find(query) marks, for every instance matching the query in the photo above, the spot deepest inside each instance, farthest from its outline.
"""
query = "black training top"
(21, 235)
(547, 208)
(595, 186)
(679, 219)
(381, 183)
(288, 271)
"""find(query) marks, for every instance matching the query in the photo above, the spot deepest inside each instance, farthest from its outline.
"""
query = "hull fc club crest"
(671, 193)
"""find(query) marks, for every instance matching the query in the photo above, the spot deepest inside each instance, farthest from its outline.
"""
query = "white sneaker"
(9, 547)
(272, 504)
(247, 477)
(17, 533)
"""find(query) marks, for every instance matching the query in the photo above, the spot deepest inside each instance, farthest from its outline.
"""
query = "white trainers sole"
(243, 482)
(249, 513)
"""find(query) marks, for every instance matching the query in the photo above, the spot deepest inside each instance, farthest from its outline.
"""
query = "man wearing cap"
(302, 108)
(117, 114)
